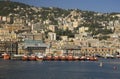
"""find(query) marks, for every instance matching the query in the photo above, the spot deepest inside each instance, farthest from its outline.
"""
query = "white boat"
(17, 56)
(101, 64)
(118, 56)
(76, 57)
(109, 56)
(39, 57)
(6, 56)
(32, 57)
(25, 57)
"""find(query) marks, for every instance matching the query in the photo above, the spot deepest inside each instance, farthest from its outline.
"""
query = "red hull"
(93, 59)
(69, 58)
(62, 58)
(48, 58)
(83, 58)
(75, 58)
(32, 58)
(39, 59)
(55, 58)
(6, 56)
(25, 58)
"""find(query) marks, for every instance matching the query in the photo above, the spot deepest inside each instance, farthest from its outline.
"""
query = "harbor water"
(15, 69)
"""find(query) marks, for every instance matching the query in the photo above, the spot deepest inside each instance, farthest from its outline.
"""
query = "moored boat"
(48, 57)
(56, 58)
(62, 58)
(39, 57)
(25, 57)
(109, 56)
(32, 57)
(69, 57)
(17, 56)
(6, 56)
(93, 58)
(83, 58)
(75, 58)
(117, 56)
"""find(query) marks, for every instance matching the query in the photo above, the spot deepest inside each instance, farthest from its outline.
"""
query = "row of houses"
(37, 46)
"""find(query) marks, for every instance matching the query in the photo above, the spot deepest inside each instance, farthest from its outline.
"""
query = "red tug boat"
(32, 57)
(25, 58)
(6, 56)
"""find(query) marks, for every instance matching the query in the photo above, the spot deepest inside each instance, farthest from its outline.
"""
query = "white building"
(51, 36)
(83, 29)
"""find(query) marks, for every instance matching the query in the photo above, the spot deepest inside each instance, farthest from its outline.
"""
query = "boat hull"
(25, 58)
(6, 56)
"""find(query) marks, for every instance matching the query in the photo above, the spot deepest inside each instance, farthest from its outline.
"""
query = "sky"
(104, 6)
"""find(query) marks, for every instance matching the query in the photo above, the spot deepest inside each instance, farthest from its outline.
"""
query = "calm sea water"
(11, 69)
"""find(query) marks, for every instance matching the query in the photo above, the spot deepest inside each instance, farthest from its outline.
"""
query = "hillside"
(97, 23)
(7, 7)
